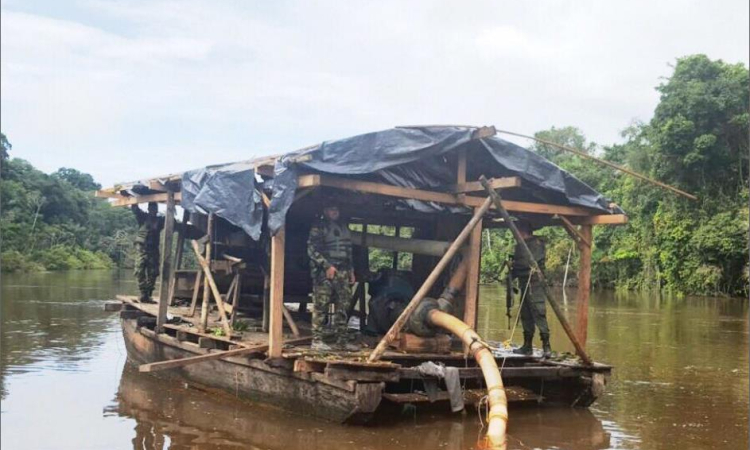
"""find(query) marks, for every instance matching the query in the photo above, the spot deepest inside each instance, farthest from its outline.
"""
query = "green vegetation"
(53, 222)
(697, 141)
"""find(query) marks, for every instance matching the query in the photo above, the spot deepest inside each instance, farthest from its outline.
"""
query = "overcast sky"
(130, 89)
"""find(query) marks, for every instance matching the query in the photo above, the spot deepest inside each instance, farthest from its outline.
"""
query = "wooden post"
(276, 317)
(266, 301)
(178, 256)
(473, 254)
(166, 263)
(206, 290)
(196, 290)
(584, 284)
(495, 197)
(461, 172)
(429, 282)
(214, 289)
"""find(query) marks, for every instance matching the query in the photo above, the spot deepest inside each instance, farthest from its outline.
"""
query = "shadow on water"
(680, 381)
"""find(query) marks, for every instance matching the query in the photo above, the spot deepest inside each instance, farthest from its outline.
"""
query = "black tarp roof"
(415, 157)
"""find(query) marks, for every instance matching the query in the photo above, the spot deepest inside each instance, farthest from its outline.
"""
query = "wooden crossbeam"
(215, 290)
(475, 186)
(573, 232)
(432, 196)
(174, 363)
(121, 200)
(604, 219)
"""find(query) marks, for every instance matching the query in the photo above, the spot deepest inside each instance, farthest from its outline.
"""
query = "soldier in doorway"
(329, 247)
(533, 306)
(147, 241)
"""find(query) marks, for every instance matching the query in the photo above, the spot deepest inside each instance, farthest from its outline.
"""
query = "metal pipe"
(498, 416)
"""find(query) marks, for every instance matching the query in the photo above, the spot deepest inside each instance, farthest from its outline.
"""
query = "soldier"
(147, 240)
(534, 308)
(330, 250)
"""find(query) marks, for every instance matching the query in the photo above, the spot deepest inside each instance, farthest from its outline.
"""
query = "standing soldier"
(147, 240)
(330, 250)
(534, 308)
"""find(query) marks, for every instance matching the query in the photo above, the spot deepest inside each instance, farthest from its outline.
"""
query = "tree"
(79, 180)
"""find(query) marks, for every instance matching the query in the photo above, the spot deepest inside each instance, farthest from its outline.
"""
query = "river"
(680, 382)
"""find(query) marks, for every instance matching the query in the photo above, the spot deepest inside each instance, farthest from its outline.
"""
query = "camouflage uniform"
(329, 245)
(534, 308)
(147, 259)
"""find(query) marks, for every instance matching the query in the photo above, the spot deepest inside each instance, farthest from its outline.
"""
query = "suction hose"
(498, 416)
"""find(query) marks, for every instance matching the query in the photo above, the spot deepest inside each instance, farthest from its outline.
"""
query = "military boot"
(527, 348)
(546, 348)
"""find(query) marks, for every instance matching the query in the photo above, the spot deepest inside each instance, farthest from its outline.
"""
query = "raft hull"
(347, 390)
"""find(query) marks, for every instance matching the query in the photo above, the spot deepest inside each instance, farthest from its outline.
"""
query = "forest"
(697, 141)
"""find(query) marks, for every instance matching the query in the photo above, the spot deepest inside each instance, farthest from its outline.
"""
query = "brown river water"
(680, 382)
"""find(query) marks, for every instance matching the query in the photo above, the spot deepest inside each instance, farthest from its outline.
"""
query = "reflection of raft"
(189, 418)
(255, 217)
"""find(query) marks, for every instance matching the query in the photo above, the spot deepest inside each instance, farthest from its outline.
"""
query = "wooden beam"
(174, 363)
(215, 290)
(429, 282)
(473, 255)
(407, 245)
(206, 291)
(603, 219)
(158, 198)
(178, 255)
(584, 285)
(573, 232)
(432, 196)
(166, 264)
(290, 321)
(196, 289)
(461, 172)
(495, 197)
(476, 186)
(275, 326)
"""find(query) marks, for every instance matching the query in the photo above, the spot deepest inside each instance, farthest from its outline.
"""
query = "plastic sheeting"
(409, 157)
(415, 157)
(229, 192)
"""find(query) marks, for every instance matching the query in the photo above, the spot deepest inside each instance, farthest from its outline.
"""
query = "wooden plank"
(275, 327)
(158, 198)
(207, 292)
(573, 232)
(290, 321)
(546, 372)
(166, 263)
(471, 396)
(476, 186)
(341, 373)
(215, 290)
(174, 363)
(429, 282)
(471, 289)
(307, 366)
(584, 285)
(196, 290)
(461, 169)
(411, 343)
(603, 219)
(178, 256)
(439, 197)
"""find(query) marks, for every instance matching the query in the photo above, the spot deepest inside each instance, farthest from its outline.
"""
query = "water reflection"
(680, 381)
(172, 416)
